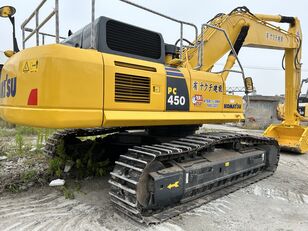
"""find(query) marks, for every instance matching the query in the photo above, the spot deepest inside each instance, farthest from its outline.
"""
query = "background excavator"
(144, 100)
(302, 101)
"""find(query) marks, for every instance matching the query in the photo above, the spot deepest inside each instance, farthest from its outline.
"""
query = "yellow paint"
(76, 90)
(148, 118)
(216, 45)
(290, 137)
(69, 95)
(227, 164)
(173, 185)
(290, 134)
(158, 78)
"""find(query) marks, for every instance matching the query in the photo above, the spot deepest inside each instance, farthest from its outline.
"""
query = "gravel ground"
(20, 171)
(276, 203)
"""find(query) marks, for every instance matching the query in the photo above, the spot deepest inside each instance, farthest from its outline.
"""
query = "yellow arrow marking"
(174, 185)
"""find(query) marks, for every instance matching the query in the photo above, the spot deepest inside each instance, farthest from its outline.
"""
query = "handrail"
(55, 13)
(43, 34)
(200, 59)
(33, 14)
(92, 23)
(172, 19)
(38, 25)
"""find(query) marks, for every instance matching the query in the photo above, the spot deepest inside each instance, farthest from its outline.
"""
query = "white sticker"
(187, 178)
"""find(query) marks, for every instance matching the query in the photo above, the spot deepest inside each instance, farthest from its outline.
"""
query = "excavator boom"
(254, 30)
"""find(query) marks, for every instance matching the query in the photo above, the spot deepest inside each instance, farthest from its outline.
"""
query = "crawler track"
(58, 137)
(130, 168)
(128, 172)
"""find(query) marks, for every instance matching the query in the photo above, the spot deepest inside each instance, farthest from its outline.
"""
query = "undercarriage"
(156, 177)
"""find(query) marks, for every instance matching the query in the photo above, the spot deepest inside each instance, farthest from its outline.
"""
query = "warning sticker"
(30, 66)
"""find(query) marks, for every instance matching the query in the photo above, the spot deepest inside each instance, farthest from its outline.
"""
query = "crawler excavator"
(144, 100)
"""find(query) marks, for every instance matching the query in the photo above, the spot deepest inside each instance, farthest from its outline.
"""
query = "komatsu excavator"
(145, 99)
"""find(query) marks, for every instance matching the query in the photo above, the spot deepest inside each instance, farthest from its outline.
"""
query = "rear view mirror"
(7, 11)
(9, 53)
(248, 85)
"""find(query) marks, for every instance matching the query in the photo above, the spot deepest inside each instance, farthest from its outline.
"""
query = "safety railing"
(198, 44)
(182, 23)
(38, 25)
(55, 13)
(200, 53)
(44, 35)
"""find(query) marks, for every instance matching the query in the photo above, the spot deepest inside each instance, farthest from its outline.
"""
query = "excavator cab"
(303, 100)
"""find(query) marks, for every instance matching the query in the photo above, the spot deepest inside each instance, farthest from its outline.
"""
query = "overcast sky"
(75, 14)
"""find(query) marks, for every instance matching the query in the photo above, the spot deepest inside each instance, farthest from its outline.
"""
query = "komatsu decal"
(7, 87)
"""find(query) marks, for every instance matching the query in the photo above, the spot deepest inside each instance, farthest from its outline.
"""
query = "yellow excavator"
(302, 105)
(143, 100)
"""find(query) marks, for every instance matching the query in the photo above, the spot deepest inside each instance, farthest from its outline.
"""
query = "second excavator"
(144, 100)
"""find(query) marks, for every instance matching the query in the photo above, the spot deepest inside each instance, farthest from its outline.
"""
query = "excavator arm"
(242, 28)
(253, 30)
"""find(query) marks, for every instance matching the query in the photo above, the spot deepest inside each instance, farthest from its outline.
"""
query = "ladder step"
(118, 185)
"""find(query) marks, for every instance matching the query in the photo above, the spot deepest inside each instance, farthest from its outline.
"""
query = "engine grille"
(132, 88)
(133, 40)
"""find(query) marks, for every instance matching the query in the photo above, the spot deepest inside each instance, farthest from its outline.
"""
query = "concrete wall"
(261, 111)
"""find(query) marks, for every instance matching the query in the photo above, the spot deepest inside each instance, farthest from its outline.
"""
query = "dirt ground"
(277, 203)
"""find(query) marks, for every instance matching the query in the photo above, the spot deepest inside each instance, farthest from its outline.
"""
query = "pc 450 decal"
(7, 87)
(177, 93)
